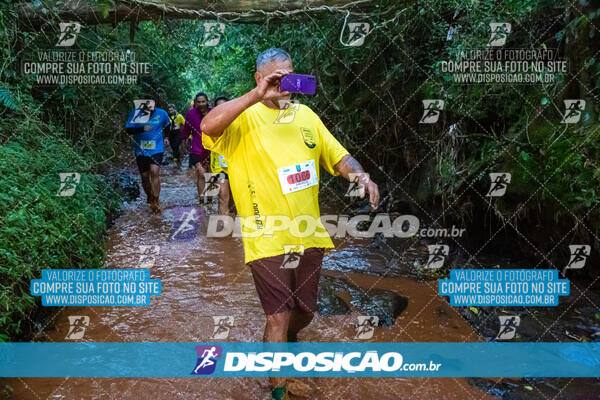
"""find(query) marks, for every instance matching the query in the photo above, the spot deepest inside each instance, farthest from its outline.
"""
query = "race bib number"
(297, 177)
(148, 144)
(222, 162)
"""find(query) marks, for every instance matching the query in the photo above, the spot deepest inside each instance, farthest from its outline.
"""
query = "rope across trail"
(35, 17)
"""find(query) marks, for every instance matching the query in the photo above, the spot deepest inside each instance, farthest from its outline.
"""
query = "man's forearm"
(134, 130)
(348, 165)
(220, 117)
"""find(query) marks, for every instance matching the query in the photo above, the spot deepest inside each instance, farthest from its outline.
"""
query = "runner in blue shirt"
(146, 124)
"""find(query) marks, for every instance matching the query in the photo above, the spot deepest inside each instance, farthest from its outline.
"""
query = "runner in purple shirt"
(198, 154)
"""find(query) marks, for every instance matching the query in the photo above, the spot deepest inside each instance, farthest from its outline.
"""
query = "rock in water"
(385, 304)
(338, 297)
(128, 184)
(328, 302)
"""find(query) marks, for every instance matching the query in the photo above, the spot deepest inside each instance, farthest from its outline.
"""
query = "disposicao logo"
(207, 359)
(249, 363)
(308, 361)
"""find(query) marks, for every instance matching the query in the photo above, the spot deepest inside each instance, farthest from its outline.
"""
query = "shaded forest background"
(369, 97)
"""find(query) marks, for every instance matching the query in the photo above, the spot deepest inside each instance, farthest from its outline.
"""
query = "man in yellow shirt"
(177, 123)
(274, 154)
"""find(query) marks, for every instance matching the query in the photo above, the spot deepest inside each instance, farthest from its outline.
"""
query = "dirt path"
(206, 277)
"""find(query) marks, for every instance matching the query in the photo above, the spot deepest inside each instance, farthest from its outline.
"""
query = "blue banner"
(95, 287)
(504, 287)
(226, 359)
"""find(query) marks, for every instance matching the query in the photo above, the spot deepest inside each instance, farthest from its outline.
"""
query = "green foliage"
(37, 142)
(7, 99)
(42, 230)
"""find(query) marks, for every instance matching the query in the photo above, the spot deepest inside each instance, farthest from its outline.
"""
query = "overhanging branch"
(34, 17)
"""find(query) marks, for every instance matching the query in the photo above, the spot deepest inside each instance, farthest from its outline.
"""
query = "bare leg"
(155, 186)
(183, 149)
(147, 186)
(276, 331)
(298, 320)
(224, 196)
(200, 181)
(155, 180)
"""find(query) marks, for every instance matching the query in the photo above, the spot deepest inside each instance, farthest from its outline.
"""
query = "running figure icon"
(207, 359)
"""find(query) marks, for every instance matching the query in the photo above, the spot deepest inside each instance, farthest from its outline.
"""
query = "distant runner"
(148, 147)
(274, 170)
(220, 100)
(176, 123)
(198, 154)
(218, 165)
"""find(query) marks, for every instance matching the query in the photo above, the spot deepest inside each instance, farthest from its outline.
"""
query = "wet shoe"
(279, 393)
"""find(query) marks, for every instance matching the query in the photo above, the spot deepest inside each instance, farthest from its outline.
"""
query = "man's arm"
(134, 130)
(184, 132)
(348, 165)
(165, 131)
(220, 117)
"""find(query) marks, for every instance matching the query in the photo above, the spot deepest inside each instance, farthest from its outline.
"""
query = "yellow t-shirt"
(218, 163)
(270, 154)
(177, 122)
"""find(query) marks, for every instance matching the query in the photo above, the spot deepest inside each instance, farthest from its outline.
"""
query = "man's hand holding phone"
(268, 88)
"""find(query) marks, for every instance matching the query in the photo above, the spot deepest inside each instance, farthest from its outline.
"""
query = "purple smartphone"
(297, 83)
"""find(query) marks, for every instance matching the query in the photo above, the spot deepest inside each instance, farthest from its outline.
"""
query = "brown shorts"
(283, 289)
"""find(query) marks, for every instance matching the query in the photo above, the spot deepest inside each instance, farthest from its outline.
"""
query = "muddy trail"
(206, 277)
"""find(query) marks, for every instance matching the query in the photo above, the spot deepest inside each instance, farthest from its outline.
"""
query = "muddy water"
(206, 277)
